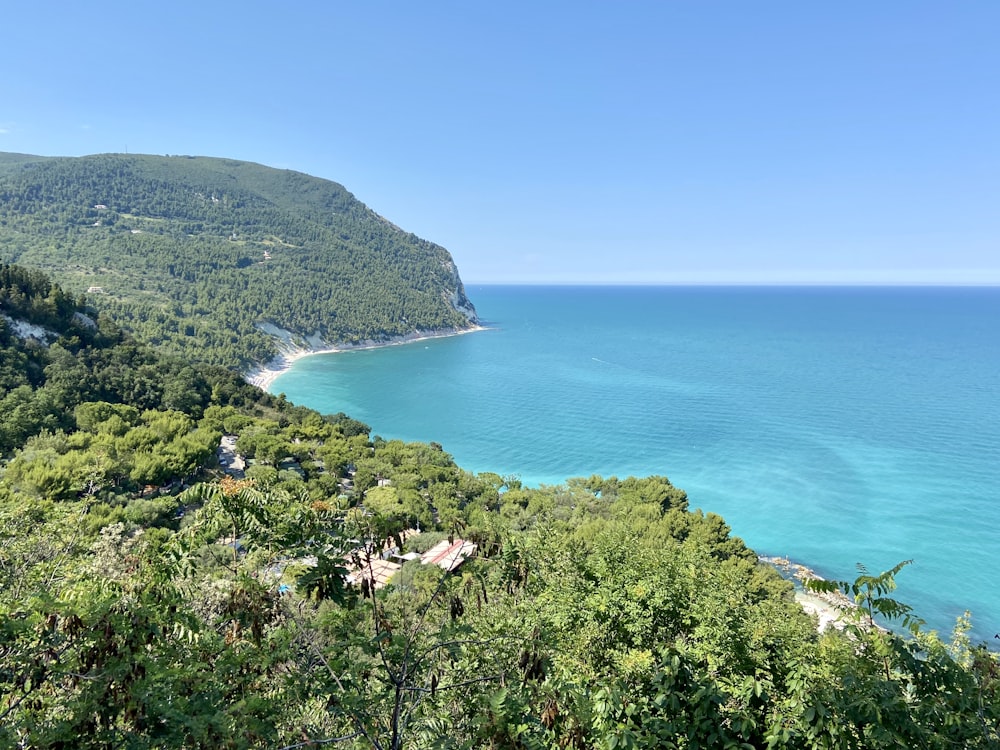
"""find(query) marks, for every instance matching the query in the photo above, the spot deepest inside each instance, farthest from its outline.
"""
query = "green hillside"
(191, 254)
(301, 583)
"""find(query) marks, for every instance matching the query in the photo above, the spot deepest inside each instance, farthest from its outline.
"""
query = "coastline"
(829, 609)
(264, 376)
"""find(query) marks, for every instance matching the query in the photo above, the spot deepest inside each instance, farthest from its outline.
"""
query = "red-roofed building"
(448, 555)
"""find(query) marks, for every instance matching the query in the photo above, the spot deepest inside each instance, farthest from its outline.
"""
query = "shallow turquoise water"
(831, 425)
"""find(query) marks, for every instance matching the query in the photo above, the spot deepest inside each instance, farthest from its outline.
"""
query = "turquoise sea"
(830, 425)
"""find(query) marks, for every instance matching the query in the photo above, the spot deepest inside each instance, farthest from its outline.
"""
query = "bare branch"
(452, 686)
(318, 652)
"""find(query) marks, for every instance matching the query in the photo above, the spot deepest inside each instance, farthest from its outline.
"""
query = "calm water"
(831, 425)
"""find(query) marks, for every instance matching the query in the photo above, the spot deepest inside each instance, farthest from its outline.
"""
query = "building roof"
(377, 571)
(448, 555)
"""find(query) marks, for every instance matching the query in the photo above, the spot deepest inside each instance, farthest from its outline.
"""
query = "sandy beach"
(827, 614)
(264, 377)
(830, 610)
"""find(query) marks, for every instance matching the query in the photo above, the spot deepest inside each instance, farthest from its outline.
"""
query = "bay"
(833, 425)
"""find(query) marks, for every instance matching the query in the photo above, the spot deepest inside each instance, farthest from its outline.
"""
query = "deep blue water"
(831, 425)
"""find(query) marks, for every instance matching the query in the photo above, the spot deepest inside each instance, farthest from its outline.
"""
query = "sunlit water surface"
(831, 425)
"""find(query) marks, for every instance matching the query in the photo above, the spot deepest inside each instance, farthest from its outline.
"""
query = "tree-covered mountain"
(192, 254)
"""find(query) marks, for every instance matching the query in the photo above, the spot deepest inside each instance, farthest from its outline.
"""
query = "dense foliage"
(192, 254)
(157, 593)
(55, 356)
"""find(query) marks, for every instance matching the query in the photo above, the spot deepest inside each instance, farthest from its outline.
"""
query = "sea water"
(834, 426)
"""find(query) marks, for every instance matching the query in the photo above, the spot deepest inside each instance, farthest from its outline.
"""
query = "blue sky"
(577, 141)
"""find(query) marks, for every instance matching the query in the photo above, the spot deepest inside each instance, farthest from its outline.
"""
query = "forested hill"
(192, 253)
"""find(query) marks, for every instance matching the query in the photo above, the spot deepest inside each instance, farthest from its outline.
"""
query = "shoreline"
(829, 609)
(264, 376)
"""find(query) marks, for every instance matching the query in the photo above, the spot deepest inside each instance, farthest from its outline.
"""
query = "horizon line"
(722, 283)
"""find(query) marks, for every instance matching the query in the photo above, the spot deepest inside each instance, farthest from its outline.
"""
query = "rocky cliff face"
(457, 299)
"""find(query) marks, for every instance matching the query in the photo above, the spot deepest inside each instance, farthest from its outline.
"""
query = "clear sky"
(664, 141)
